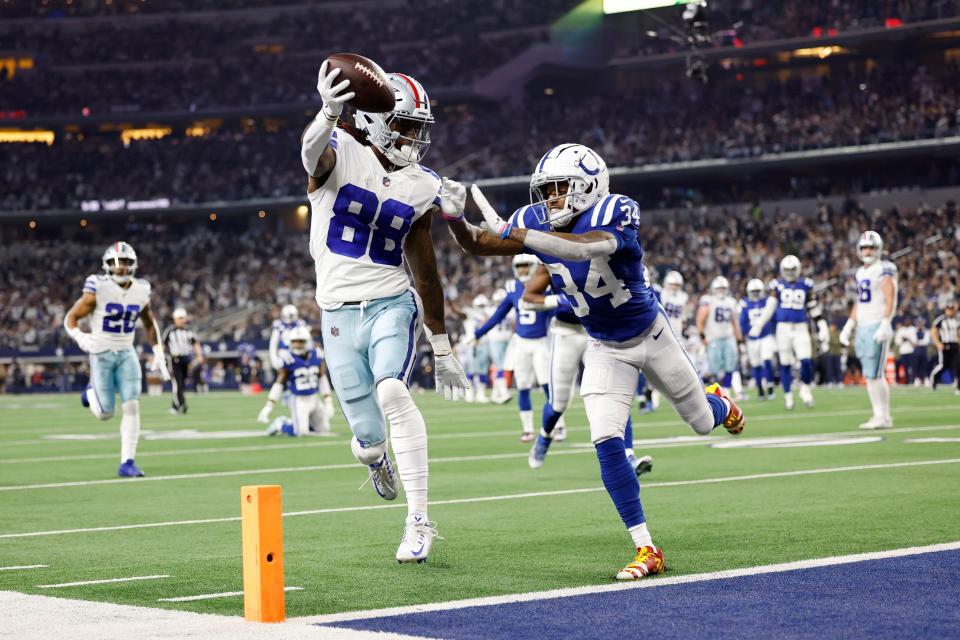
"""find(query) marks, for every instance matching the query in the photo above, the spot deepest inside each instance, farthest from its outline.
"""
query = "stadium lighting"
(151, 133)
(213, 217)
(262, 214)
(302, 211)
(622, 6)
(27, 136)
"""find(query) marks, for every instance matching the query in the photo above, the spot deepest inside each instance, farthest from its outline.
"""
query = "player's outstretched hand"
(264, 416)
(494, 222)
(453, 199)
(332, 94)
(449, 375)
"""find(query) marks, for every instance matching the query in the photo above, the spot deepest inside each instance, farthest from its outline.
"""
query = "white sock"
(630, 452)
(408, 435)
(879, 392)
(526, 421)
(481, 389)
(737, 383)
(641, 537)
(500, 386)
(129, 430)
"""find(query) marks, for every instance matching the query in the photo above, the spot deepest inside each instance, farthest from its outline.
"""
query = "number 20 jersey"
(608, 293)
(360, 218)
(114, 319)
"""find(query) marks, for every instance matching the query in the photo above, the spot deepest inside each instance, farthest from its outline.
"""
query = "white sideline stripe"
(511, 496)
(211, 596)
(658, 443)
(649, 583)
(109, 581)
(25, 566)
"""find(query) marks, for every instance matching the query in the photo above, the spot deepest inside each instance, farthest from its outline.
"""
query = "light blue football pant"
(112, 372)
(722, 356)
(367, 344)
(480, 363)
(872, 354)
(498, 351)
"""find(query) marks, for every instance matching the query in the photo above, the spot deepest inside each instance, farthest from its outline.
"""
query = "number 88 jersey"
(114, 319)
(608, 293)
(361, 216)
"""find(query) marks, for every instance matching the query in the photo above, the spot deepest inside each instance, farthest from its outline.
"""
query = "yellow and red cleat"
(649, 560)
(735, 420)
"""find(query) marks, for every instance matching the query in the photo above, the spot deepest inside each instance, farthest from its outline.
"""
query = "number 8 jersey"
(114, 319)
(360, 218)
(608, 293)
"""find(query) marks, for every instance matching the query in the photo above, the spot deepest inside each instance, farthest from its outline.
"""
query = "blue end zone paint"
(908, 597)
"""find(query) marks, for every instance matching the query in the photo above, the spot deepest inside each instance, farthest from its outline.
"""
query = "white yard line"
(84, 583)
(25, 566)
(213, 596)
(650, 583)
(512, 496)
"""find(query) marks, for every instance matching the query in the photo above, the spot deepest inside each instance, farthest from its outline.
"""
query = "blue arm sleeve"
(744, 320)
(495, 319)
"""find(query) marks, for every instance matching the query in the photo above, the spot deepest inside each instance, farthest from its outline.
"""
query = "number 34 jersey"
(608, 293)
(361, 216)
(114, 319)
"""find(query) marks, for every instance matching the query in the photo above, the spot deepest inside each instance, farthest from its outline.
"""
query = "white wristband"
(441, 344)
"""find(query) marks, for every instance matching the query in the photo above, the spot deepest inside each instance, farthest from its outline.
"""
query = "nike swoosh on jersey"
(658, 333)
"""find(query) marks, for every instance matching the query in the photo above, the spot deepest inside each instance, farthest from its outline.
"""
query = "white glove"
(755, 331)
(264, 416)
(453, 198)
(884, 332)
(451, 380)
(549, 302)
(333, 95)
(495, 223)
(845, 333)
(160, 363)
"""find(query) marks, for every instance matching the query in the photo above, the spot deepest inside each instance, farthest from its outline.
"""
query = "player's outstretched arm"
(316, 153)
(474, 240)
(152, 331)
(83, 307)
(534, 292)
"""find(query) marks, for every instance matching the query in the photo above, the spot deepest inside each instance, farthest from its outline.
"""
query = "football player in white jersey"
(479, 371)
(872, 316)
(718, 324)
(372, 206)
(499, 338)
(116, 300)
(675, 301)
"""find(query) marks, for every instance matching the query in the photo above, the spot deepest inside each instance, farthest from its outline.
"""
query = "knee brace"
(367, 454)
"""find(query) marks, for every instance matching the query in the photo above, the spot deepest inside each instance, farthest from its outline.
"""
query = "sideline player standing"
(116, 299)
(872, 315)
(372, 205)
(588, 240)
(717, 324)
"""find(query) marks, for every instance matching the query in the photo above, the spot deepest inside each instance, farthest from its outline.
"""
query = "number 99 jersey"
(608, 293)
(114, 319)
(361, 217)
(792, 298)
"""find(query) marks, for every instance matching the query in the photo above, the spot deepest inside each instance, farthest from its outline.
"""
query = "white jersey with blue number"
(675, 306)
(721, 311)
(792, 298)
(871, 303)
(361, 217)
(608, 293)
(114, 319)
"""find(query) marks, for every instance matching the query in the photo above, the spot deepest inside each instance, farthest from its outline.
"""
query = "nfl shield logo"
(335, 332)
(386, 181)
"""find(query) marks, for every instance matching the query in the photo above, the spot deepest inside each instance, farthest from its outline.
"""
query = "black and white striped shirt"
(179, 342)
(947, 328)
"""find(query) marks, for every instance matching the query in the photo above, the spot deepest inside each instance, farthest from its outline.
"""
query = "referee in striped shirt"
(944, 333)
(182, 345)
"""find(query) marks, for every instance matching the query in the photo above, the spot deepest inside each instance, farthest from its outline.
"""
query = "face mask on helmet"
(120, 262)
(755, 290)
(299, 347)
(523, 269)
(869, 240)
(790, 268)
(569, 179)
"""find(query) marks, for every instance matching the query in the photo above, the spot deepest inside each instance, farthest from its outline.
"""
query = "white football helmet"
(790, 268)
(499, 296)
(673, 279)
(289, 314)
(755, 289)
(408, 142)
(300, 340)
(120, 254)
(720, 286)
(480, 301)
(869, 239)
(524, 260)
(585, 175)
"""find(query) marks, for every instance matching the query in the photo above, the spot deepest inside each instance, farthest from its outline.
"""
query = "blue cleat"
(129, 470)
(538, 452)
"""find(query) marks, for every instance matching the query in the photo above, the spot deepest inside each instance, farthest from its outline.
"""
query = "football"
(367, 80)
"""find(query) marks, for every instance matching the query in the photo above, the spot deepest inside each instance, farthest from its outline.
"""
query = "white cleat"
(560, 433)
(418, 535)
(875, 423)
(788, 400)
(806, 396)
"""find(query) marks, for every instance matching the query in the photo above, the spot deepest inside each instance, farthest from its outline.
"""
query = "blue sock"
(641, 384)
(484, 379)
(470, 377)
(523, 400)
(620, 480)
(786, 377)
(806, 371)
(550, 418)
(768, 371)
(628, 434)
(727, 379)
(287, 429)
(719, 408)
(758, 378)
(546, 391)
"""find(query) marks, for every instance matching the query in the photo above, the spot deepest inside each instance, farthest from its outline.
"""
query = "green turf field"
(568, 536)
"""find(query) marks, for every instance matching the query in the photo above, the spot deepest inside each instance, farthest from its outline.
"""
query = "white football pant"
(568, 343)
(308, 414)
(761, 350)
(529, 359)
(793, 342)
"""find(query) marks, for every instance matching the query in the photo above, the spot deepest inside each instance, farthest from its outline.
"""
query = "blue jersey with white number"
(303, 372)
(608, 293)
(750, 312)
(792, 298)
(530, 324)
